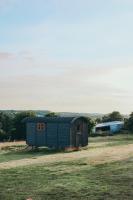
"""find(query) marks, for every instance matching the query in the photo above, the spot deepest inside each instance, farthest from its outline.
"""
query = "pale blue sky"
(66, 55)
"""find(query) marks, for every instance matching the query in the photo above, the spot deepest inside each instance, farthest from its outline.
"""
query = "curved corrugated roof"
(53, 119)
(109, 124)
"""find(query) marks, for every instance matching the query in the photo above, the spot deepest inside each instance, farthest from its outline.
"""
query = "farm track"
(92, 156)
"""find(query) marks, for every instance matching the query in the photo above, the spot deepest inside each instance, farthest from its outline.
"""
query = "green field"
(77, 179)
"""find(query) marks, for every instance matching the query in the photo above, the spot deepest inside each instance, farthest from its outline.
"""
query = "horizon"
(43, 110)
(66, 56)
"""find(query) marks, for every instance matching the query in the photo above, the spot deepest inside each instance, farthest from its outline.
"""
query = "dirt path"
(92, 156)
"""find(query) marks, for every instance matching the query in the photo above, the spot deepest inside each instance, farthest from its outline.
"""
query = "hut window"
(40, 126)
(79, 127)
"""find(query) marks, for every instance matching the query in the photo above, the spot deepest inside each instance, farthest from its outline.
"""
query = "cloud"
(87, 89)
(6, 55)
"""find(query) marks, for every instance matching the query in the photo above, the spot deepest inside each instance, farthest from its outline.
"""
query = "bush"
(129, 123)
(3, 135)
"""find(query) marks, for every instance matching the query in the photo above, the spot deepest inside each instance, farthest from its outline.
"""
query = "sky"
(66, 55)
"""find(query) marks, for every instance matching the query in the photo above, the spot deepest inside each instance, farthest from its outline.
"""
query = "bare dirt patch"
(92, 156)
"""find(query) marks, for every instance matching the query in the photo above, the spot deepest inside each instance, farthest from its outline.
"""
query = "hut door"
(78, 136)
(78, 140)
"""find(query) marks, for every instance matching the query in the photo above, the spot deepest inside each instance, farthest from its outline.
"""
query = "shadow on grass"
(21, 152)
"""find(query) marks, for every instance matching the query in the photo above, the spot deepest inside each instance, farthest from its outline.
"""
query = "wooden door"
(78, 139)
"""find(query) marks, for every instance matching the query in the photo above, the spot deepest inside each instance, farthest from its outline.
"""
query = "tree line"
(12, 128)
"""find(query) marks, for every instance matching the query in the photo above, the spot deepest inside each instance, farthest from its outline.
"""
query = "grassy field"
(75, 179)
(16, 151)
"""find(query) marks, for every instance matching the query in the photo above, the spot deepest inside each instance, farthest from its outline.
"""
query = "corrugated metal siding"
(31, 135)
(52, 134)
(40, 137)
(64, 134)
(116, 128)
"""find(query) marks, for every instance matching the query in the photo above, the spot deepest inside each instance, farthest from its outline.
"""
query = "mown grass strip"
(69, 180)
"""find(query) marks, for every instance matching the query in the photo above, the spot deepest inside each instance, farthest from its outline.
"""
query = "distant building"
(57, 132)
(108, 127)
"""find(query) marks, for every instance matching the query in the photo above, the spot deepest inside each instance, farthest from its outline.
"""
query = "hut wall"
(52, 135)
(64, 134)
(56, 135)
(30, 129)
(40, 136)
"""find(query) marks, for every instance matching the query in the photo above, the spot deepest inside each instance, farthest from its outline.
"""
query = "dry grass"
(93, 156)
(4, 145)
